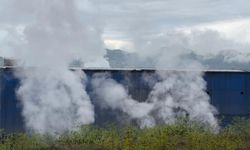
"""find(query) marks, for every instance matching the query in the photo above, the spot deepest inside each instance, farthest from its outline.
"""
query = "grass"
(180, 136)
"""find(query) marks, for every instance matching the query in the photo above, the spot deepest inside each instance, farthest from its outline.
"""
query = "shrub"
(180, 136)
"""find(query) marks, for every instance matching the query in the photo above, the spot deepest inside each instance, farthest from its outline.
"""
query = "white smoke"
(50, 36)
(233, 56)
(182, 94)
(45, 29)
(114, 95)
(54, 100)
(177, 94)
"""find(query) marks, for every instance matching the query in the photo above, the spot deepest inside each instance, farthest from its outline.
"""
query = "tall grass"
(180, 136)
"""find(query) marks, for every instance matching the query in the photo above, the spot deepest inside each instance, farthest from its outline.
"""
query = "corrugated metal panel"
(2, 118)
(229, 92)
(11, 119)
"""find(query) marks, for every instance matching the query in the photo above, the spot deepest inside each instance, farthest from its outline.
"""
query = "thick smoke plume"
(51, 35)
(182, 94)
(53, 97)
(111, 94)
(54, 100)
(176, 94)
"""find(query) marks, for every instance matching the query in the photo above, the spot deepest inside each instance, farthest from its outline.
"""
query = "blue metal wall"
(10, 108)
(229, 92)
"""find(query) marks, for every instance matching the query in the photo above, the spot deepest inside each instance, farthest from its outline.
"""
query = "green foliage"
(181, 136)
(22, 142)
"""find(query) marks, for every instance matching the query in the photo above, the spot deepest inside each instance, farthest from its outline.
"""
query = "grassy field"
(181, 136)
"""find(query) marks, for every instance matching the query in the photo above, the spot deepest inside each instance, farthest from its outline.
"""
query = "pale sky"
(122, 21)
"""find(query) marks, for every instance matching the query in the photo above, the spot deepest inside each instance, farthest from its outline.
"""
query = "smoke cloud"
(54, 100)
(182, 94)
(111, 94)
(176, 94)
(178, 49)
(50, 36)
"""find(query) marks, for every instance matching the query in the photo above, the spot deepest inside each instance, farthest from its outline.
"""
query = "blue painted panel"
(11, 119)
(230, 102)
(229, 93)
(2, 112)
(227, 81)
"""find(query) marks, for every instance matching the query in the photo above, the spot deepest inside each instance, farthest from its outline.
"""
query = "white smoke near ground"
(51, 36)
(177, 94)
(184, 93)
(56, 102)
(111, 94)
(181, 94)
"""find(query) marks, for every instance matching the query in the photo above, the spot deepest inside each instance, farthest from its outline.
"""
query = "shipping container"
(229, 92)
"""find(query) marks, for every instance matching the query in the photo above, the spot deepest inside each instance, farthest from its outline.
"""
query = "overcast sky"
(150, 17)
(121, 22)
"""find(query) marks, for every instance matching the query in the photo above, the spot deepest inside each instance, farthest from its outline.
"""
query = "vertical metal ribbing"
(1, 101)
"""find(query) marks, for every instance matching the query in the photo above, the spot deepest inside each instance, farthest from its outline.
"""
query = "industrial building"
(229, 91)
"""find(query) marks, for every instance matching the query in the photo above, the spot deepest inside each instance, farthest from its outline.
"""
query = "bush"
(181, 136)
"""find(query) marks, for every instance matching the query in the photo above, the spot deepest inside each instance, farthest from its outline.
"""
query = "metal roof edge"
(142, 69)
